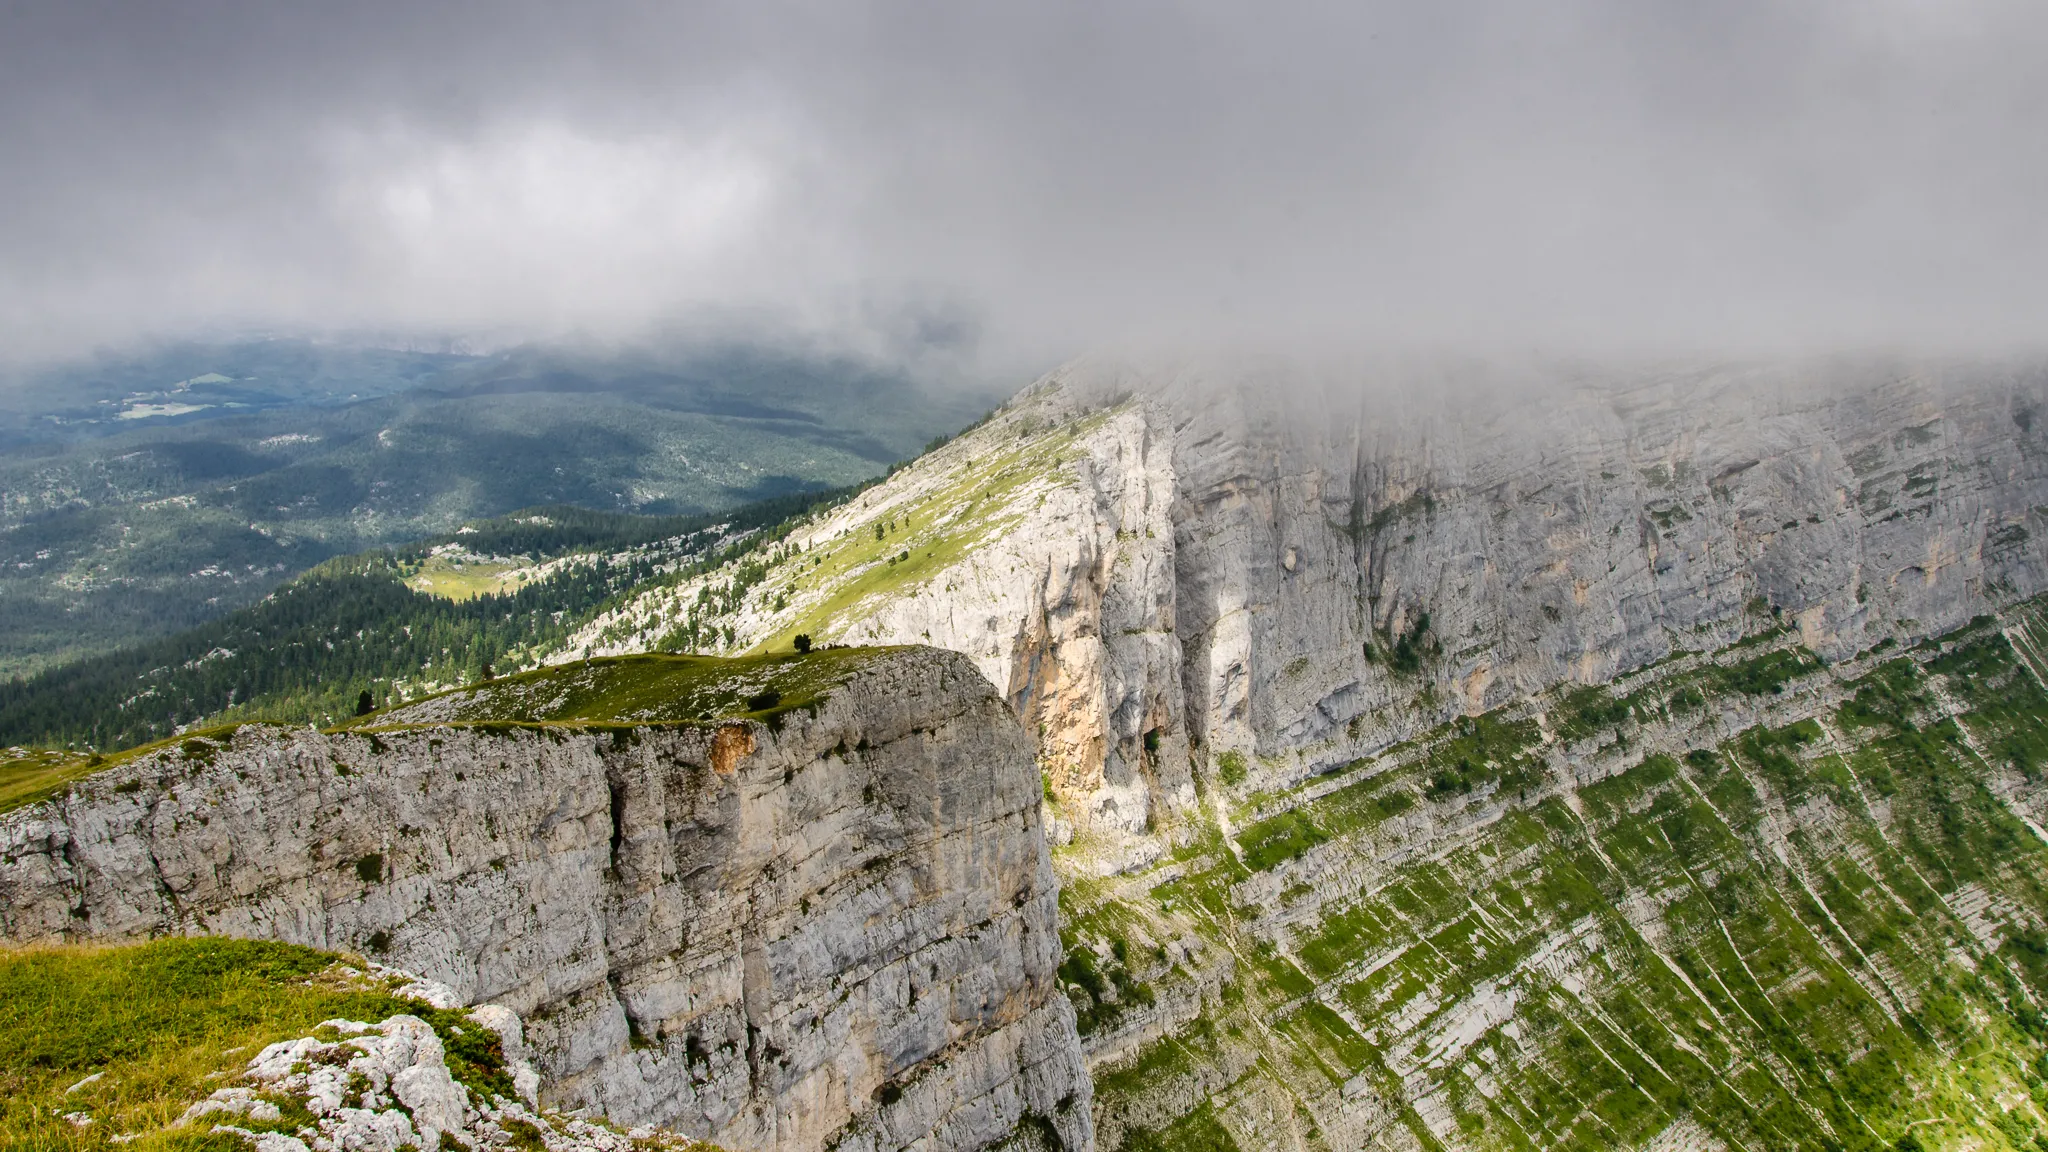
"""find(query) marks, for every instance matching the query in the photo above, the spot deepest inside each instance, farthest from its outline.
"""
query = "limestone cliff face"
(1739, 900)
(1565, 534)
(1168, 568)
(833, 930)
(1041, 545)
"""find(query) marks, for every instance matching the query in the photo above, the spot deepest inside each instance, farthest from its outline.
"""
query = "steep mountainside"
(1450, 759)
(1172, 569)
(1560, 763)
(790, 902)
(1739, 901)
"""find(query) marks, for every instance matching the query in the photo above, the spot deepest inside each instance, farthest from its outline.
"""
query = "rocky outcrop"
(1173, 570)
(829, 925)
(1039, 544)
(387, 1086)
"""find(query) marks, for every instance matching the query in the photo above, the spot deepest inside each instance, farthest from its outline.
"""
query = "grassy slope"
(646, 689)
(1660, 963)
(973, 503)
(31, 774)
(616, 690)
(939, 511)
(158, 1022)
(467, 579)
(969, 503)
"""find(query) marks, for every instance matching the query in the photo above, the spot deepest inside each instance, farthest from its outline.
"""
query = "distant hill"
(145, 494)
(355, 624)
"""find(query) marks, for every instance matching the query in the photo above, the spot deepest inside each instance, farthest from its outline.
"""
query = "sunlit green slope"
(1739, 900)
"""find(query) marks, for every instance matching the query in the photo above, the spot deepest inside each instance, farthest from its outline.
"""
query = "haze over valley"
(144, 495)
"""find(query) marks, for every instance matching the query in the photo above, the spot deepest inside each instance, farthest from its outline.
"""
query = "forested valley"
(310, 650)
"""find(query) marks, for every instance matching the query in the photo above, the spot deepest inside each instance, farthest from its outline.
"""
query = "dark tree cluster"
(332, 642)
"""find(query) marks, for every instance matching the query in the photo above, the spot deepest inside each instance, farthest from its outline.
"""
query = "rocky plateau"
(826, 924)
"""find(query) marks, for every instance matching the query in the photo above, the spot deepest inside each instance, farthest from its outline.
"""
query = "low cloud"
(1028, 180)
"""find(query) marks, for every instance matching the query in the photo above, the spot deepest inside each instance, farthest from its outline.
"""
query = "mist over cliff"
(1163, 562)
(1019, 185)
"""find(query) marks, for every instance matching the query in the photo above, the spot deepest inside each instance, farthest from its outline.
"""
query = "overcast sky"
(1034, 177)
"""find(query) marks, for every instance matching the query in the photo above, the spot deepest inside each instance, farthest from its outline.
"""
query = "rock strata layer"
(1266, 571)
(835, 929)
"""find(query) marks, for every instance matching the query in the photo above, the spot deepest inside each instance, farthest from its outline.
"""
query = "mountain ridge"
(1188, 560)
(1560, 760)
(826, 919)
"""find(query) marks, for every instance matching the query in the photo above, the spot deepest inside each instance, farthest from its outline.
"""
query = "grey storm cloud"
(1036, 177)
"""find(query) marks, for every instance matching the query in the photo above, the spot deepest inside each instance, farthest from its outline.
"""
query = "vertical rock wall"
(1264, 568)
(1550, 532)
(836, 933)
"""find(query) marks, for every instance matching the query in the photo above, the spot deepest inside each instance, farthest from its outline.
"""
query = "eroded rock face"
(1563, 533)
(1072, 610)
(1550, 534)
(1174, 568)
(1678, 879)
(838, 933)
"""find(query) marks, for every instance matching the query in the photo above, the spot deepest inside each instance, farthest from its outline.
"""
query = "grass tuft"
(642, 689)
(28, 775)
(161, 1023)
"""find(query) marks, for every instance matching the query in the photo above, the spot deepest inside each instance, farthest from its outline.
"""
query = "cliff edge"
(795, 902)
(1256, 572)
